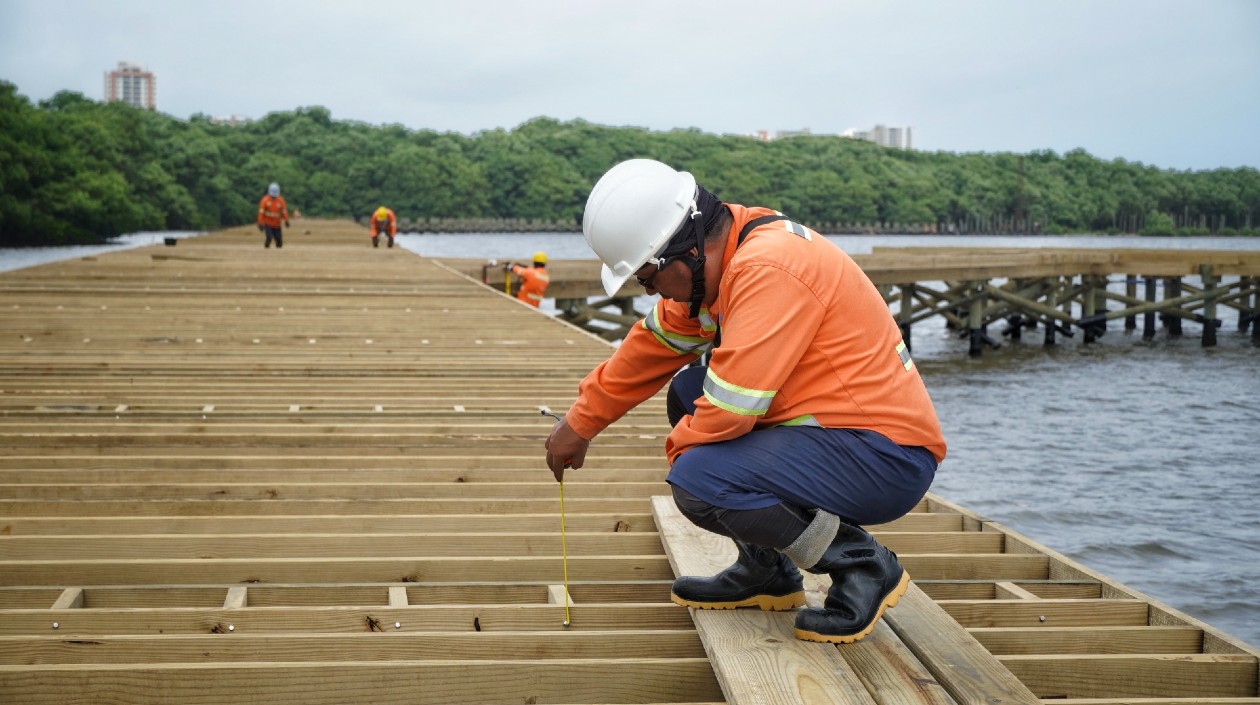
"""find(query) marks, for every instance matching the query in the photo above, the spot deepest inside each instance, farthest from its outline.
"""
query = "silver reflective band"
(681, 344)
(706, 321)
(809, 547)
(734, 398)
(904, 354)
(798, 229)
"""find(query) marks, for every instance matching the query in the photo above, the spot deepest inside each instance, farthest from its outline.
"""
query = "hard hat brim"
(611, 281)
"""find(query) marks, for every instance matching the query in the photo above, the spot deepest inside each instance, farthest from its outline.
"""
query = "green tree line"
(75, 170)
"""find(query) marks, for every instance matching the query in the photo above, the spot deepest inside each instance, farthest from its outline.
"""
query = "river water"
(1139, 459)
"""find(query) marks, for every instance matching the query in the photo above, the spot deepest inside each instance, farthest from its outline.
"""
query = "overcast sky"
(1175, 84)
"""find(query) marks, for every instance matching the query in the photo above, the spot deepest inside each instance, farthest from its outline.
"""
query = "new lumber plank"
(367, 646)
(755, 654)
(396, 682)
(106, 571)
(1137, 675)
(454, 618)
(971, 675)
(1009, 641)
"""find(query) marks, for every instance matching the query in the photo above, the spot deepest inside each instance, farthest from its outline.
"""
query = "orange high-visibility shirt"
(806, 339)
(272, 210)
(534, 281)
(390, 220)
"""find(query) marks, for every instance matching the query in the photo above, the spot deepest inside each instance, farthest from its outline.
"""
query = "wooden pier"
(314, 475)
(1058, 292)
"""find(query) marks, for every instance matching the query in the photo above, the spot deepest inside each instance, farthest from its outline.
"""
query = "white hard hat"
(631, 214)
(273, 190)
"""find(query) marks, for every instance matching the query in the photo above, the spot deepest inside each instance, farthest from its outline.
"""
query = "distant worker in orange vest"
(271, 212)
(383, 221)
(534, 280)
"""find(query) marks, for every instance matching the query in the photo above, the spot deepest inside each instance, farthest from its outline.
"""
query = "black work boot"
(760, 577)
(866, 579)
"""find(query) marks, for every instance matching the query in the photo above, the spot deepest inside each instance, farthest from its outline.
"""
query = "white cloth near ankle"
(809, 547)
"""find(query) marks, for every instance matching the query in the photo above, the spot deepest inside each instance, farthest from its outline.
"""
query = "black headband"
(710, 208)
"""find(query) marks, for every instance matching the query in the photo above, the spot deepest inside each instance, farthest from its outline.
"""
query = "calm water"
(1136, 458)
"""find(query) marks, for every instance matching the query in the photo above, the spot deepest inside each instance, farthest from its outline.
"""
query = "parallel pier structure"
(1061, 291)
(314, 476)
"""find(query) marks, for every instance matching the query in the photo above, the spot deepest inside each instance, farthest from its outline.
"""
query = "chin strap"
(697, 264)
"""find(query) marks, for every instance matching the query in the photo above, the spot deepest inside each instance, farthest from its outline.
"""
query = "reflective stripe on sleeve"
(706, 321)
(904, 354)
(806, 420)
(799, 229)
(734, 398)
(681, 344)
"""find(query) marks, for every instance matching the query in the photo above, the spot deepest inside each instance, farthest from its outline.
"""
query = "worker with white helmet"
(272, 211)
(809, 420)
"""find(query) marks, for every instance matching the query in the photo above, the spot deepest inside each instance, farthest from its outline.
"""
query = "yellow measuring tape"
(564, 542)
(564, 549)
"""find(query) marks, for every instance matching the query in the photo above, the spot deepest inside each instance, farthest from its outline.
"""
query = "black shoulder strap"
(743, 233)
(757, 223)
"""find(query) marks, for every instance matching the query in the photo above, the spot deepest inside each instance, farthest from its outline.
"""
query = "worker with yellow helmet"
(383, 221)
(534, 280)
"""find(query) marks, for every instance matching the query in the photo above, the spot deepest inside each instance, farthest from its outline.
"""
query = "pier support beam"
(1209, 306)
(1255, 309)
(1148, 319)
(976, 329)
(1130, 289)
(905, 314)
(1088, 307)
(1248, 304)
(1172, 290)
(1052, 300)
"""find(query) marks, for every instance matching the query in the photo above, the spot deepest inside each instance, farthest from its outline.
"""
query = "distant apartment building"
(896, 137)
(765, 136)
(230, 120)
(132, 85)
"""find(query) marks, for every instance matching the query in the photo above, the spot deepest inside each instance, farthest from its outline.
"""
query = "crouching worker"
(384, 222)
(809, 421)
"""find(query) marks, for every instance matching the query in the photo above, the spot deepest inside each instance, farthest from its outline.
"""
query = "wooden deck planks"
(315, 475)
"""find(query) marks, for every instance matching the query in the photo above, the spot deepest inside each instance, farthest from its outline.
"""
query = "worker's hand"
(260, 227)
(507, 266)
(565, 449)
(286, 223)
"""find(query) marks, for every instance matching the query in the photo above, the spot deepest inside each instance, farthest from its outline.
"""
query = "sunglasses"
(661, 263)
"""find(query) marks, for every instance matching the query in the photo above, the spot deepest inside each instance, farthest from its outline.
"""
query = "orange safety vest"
(806, 339)
(272, 210)
(534, 281)
(390, 219)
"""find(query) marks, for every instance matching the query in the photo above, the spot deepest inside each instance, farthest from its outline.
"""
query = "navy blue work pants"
(750, 487)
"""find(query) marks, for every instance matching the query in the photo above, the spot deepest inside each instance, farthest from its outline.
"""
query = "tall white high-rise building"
(131, 84)
(897, 137)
